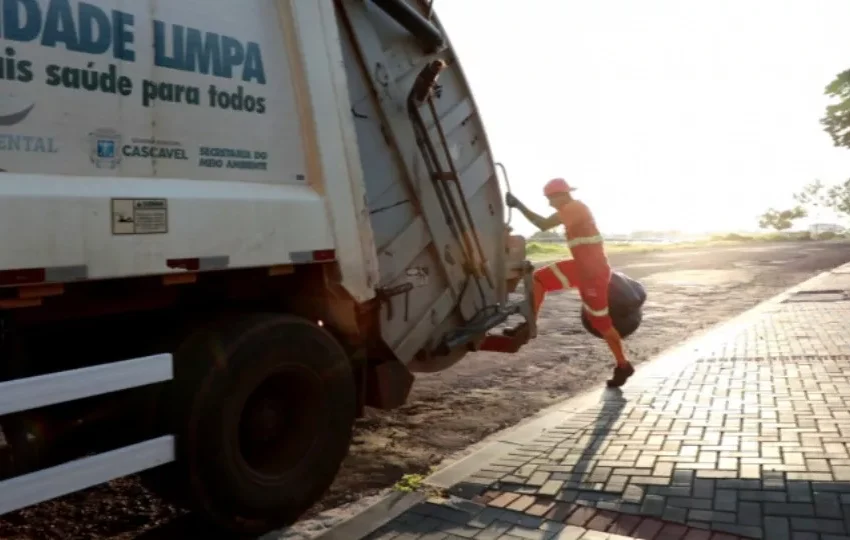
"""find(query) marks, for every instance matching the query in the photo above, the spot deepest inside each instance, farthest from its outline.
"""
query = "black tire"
(626, 324)
(278, 378)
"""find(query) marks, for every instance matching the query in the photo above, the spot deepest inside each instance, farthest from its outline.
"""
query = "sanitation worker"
(588, 271)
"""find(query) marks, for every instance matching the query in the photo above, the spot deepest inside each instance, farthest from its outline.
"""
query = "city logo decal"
(105, 147)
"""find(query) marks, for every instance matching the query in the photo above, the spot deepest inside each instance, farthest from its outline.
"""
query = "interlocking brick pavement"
(749, 439)
(454, 518)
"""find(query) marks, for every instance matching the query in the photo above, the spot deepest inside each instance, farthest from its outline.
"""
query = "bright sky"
(687, 114)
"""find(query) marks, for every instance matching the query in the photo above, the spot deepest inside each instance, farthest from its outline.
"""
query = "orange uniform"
(588, 271)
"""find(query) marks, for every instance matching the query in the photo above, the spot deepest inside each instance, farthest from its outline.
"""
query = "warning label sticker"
(139, 216)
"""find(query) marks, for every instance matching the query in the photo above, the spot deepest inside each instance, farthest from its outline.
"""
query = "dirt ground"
(689, 291)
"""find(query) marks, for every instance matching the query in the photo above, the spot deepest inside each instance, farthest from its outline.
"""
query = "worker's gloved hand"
(511, 201)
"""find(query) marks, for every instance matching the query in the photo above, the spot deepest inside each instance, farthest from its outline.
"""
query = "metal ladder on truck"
(453, 202)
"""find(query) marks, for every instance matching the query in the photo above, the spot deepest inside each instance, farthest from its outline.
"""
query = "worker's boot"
(621, 375)
(623, 369)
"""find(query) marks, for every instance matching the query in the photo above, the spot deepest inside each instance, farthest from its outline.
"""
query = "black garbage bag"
(625, 322)
(626, 297)
(625, 294)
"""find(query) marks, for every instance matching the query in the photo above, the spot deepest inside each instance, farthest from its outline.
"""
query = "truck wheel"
(265, 406)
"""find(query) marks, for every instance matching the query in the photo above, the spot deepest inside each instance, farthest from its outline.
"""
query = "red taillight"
(184, 264)
(324, 255)
(22, 276)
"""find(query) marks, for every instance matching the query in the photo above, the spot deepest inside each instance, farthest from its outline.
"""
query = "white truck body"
(120, 109)
(192, 140)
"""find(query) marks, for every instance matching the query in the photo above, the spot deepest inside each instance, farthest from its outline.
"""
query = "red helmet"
(555, 186)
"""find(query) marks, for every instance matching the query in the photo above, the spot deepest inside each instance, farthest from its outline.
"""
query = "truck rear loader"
(227, 228)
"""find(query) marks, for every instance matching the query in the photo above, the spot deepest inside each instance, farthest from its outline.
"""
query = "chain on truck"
(226, 232)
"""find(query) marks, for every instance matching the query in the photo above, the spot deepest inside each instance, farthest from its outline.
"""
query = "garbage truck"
(227, 229)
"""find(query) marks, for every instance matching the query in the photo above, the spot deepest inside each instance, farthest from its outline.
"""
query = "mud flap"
(388, 385)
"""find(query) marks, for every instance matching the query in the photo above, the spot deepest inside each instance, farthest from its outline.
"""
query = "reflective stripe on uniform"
(596, 312)
(560, 275)
(584, 240)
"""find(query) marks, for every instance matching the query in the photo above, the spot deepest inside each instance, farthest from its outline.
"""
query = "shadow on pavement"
(463, 519)
(613, 403)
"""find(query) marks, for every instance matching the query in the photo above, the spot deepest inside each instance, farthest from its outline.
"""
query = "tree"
(836, 121)
(838, 197)
(781, 220)
(814, 195)
(835, 198)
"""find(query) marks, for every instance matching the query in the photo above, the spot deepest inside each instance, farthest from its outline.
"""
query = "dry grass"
(540, 251)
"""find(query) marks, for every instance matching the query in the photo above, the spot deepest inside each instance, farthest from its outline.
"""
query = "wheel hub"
(280, 422)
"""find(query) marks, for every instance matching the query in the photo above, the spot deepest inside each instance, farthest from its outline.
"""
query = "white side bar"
(46, 484)
(34, 392)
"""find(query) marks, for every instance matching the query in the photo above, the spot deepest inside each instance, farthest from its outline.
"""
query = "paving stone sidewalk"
(746, 438)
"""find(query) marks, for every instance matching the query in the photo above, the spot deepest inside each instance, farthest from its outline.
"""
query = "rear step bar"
(489, 318)
(34, 392)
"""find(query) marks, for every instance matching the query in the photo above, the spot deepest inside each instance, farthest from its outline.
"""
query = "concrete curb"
(503, 442)
(374, 517)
